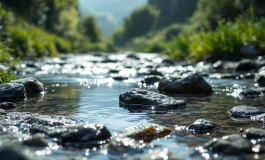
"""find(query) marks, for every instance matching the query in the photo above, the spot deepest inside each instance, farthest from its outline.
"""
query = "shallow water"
(81, 87)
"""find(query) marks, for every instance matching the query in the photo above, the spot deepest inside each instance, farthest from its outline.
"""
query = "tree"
(90, 29)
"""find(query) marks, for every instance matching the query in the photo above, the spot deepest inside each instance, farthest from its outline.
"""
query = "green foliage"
(89, 28)
(157, 47)
(5, 75)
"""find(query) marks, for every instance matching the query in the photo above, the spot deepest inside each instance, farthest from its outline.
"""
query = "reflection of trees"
(62, 99)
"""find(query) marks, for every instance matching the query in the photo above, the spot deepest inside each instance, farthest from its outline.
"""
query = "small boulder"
(260, 78)
(232, 144)
(7, 105)
(12, 91)
(254, 133)
(32, 85)
(137, 98)
(202, 126)
(185, 84)
(151, 79)
(246, 65)
(146, 132)
(249, 93)
(120, 78)
(244, 111)
(35, 141)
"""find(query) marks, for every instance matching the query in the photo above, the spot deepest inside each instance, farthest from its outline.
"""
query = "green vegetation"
(5, 73)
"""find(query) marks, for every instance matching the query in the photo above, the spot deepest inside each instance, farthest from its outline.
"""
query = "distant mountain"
(109, 13)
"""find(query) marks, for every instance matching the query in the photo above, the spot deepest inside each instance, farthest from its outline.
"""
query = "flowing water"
(81, 86)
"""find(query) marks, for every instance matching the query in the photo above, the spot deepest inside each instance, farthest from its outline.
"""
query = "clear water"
(90, 94)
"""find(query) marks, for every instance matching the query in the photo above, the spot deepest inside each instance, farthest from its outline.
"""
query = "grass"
(5, 57)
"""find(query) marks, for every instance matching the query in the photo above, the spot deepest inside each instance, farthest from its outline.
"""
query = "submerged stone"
(32, 85)
(185, 84)
(7, 105)
(244, 111)
(12, 91)
(137, 98)
(232, 144)
(146, 132)
(202, 126)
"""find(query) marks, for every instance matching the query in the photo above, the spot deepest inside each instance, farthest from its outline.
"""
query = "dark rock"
(185, 84)
(120, 78)
(249, 93)
(232, 144)
(246, 65)
(13, 153)
(32, 85)
(219, 65)
(120, 146)
(12, 91)
(151, 79)
(254, 133)
(260, 78)
(159, 155)
(114, 71)
(35, 141)
(249, 51)
(137, 98)
(244, 111)
(7, 105)
(109, 61)
(224, 76)
(133, 56)
(155, 72)
(202, 126)
(168, 62)
(147, 132)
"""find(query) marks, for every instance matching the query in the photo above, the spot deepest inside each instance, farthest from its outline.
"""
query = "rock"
(260, 78)
(13, 153)
(151, 79)
(224, 76)
(138, 98)
(244, 111)
(219, 65)
(249, 93)
(32, 85)
(249, 51)
(133, 56)
(232, 144)
(146, 132)
(185, 84)
(7, 105)
(158, 155)
(254, 133)
(120, 78)
(2, 112)
(50, 121)
(12, 91)
(120, 146)
(202, 126)
(168, 62)
(246, 65)
(259, 118)
(35, 141)
(155, 72)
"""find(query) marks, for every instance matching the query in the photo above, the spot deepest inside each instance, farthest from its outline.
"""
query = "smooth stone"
(259, 118)
(13, 153)
(7, 105)
(246, 65)
(12, 91)
(158, 155)
(120, 78)
(32, 85)
(185, 84)
(36, 141)
(145, 132)
(244, 111)
(137, 98)
(232, 144)
(151, 79)
(202, 126)
(254, 133)
(260, 78)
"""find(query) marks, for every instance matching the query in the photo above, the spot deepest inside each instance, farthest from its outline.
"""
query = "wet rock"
(246, 65)
(120, 78)
(32, 85)
(114, 71)
(232, 144)
(259, 118)
(202, 126)
(2, 112)
(107, 60)
(12, 91)
(168, 62)
(146, 132)
(77, 136)
(120, 146)
(133, 56)
(219, 65)
(13, 153)
(35, 141)
(7, 105)
(260, 78)
(138, 98)
(249, 51)
(158, 155)
(223, 76)
(185, 84)
(254, 133)
(249, 93)
(151, 79)
(51, 121)
(244, 111)
(155, 72)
